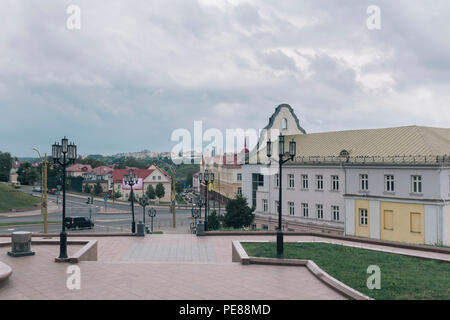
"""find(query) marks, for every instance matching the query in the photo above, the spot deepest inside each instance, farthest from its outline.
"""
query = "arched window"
(284, 124)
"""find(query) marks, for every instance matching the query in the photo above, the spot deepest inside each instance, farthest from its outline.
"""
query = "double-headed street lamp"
(63, 154)
(283, 158)
(144, 201)
(207, 179)
(131, 179)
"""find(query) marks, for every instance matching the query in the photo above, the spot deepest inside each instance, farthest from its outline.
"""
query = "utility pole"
(44, 206)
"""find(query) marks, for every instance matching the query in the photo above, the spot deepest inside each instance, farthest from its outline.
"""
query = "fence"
(401, 160)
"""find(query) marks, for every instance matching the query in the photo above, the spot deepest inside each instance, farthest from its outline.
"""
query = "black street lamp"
(131, 179)
(196, 212)
(283, 158)
(152, 214)
(144, 201)
(207, 179)
(64, 154)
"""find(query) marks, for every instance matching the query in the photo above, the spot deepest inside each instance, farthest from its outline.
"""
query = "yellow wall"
(362, 231)
(402, 222)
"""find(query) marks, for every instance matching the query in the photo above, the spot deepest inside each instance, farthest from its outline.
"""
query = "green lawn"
(11, 198)
(402, 277)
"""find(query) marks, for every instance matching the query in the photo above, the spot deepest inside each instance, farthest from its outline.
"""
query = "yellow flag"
(215, 185)
(209, 186)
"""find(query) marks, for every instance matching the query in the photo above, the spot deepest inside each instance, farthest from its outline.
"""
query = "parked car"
(36, 189)
(53, 191)
(78, 223)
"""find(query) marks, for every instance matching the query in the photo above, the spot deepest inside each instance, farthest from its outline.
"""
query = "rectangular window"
(416, 182)
(239, 191)
(319, 180)
(335, 183)
(277, 180)
(319, 210)
(389, 183)
(335, 211)
(265, 205)
(265, 227)
(389, 220)
(239, 177)
(363, 217)
(257, 180)
(305, 209)
(291, 182)
(415, 222)
(364, 182)
(291, 208)
(277, 206)
(305, 182)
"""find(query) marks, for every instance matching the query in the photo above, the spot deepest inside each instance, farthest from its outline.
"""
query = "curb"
(240, 255)
(325, 235)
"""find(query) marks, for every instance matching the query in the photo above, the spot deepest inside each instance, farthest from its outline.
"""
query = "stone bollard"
(21, 244)
(140, 229)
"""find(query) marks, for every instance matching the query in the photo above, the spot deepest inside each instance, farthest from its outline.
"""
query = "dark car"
(78, 223)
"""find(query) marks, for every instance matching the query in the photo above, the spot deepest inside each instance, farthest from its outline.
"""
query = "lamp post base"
(63, 245)
(280, 244)
(133, 227)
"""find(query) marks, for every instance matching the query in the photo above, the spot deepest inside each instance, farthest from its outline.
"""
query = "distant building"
(78, 170)
(151, 176)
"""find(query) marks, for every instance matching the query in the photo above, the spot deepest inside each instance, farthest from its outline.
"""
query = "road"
(104, 222)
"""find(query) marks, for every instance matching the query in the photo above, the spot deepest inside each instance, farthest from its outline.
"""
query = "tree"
(116, 195)
(150, 192)
(134, 197)
(239, 214)
(213, 221)
(5, 165)
(87, 188)
(160, 191)
(28, 174)
(98, 189)
(179, 186)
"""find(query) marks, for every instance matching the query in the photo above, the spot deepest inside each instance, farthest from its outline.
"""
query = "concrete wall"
(403, 188)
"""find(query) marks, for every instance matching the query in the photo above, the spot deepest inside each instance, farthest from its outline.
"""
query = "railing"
(405, 160)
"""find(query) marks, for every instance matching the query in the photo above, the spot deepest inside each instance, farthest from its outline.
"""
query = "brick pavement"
(168, 266)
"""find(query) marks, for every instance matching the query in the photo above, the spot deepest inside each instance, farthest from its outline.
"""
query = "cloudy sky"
(137, 70)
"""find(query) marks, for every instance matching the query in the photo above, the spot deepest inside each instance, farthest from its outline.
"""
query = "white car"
(37, 189)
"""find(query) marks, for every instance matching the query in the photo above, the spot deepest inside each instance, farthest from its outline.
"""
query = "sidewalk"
(52, 208)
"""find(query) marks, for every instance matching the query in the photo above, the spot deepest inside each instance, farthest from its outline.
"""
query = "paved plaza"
(167, 266)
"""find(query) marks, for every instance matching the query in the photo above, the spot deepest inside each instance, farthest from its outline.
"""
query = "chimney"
(235, 158)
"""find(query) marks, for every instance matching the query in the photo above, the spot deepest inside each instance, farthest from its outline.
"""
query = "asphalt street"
(104, 222)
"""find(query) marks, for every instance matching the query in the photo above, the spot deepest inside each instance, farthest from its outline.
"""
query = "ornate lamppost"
(144, 201)
(64, 154)
(131, 179)
(152, 214)
(283, 158)
(207, 179)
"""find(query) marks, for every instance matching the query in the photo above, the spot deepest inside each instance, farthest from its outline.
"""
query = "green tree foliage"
(93, 162)
(87, 188)
(159, 191)
(116, 195)
(213, 221)
(150, 192)
(179, 186)
(5, 165)
(28, 174)
(134, 197)
(98, 189)
(239, 214)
